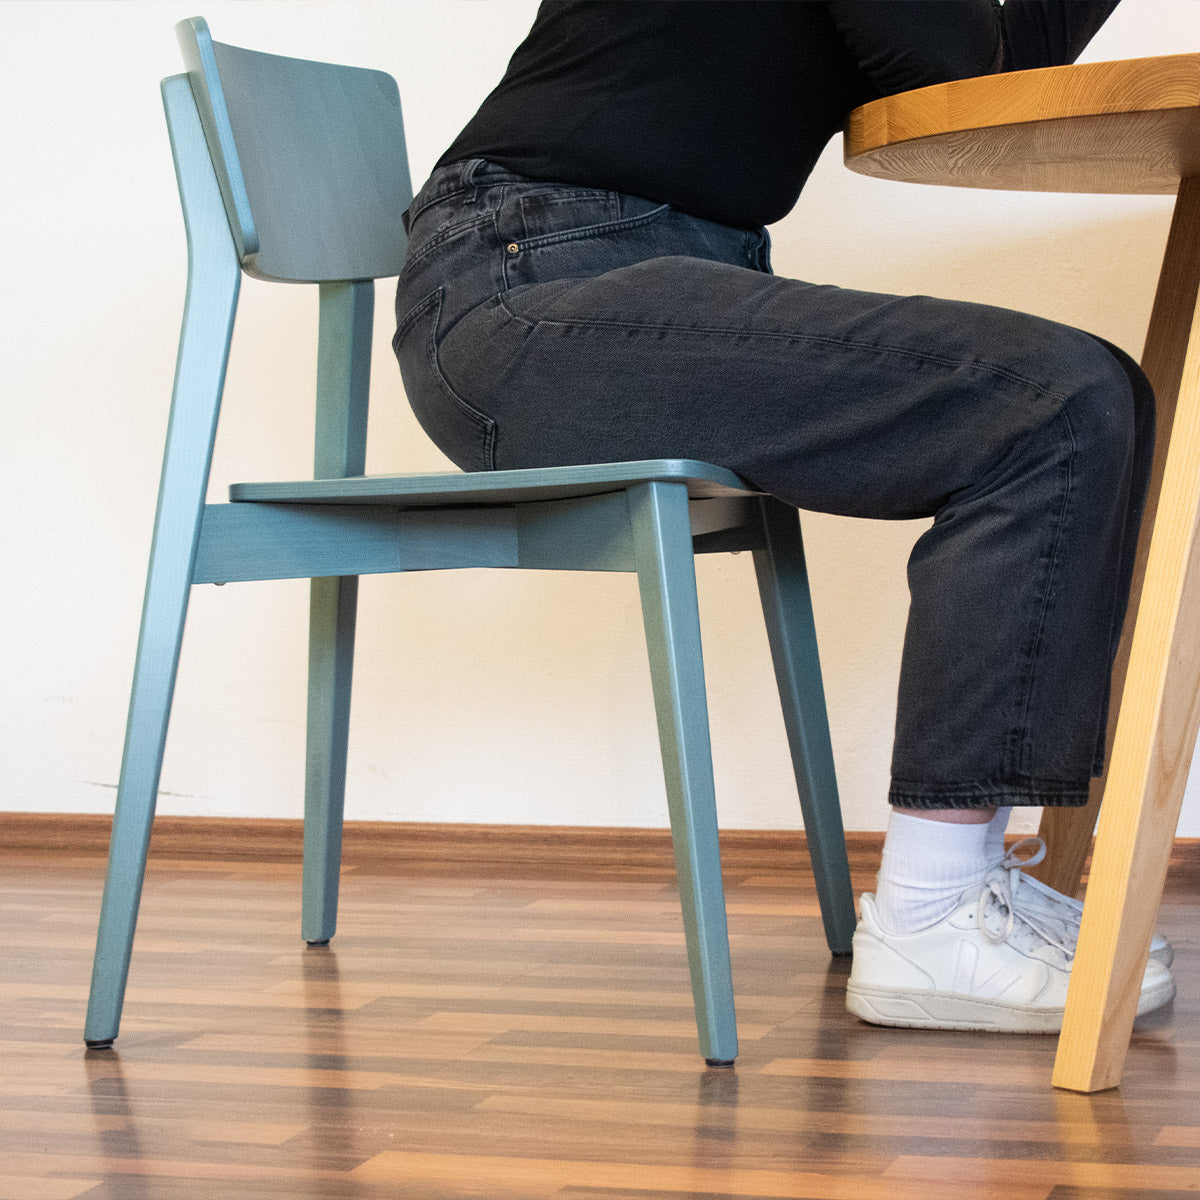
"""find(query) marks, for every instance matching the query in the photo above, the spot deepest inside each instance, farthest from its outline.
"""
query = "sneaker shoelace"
(1056, 910)
(1053, 909)
(1001, 919)
(1014, 858)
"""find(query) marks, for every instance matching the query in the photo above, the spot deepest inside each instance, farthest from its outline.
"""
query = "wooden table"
(1116, 127)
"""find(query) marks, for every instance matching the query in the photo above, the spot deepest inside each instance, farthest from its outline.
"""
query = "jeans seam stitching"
(420, 206)
(1039, 792)
(1024, 743)
(441, 238)
(917, 355)
(515, 316)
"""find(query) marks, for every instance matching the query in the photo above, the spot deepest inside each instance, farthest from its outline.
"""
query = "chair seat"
(704, 482)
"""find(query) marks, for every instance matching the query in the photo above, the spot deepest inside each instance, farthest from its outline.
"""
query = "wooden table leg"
(1156, 729)
(1067, 832)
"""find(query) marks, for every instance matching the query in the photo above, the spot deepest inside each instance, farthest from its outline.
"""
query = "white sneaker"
(989, 965)
(1034, 895)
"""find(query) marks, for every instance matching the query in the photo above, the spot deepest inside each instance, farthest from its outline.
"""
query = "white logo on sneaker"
(966, 974)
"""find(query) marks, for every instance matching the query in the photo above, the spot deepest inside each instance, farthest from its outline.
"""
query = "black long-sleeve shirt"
(722, 107)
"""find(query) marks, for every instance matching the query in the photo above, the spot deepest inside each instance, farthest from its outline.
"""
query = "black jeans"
(541, 324)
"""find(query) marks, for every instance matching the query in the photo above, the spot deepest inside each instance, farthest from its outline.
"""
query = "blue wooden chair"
(296, 171)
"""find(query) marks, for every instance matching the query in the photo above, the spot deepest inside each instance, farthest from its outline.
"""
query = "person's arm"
(905, 44)
(1048, 33)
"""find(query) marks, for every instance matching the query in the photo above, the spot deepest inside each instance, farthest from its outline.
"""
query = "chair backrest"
(310, 158)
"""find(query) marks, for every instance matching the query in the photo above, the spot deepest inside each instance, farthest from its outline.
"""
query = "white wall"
(480, 697)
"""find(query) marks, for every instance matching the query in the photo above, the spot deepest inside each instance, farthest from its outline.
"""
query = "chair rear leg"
(343, 388)
(145, 739)
(787, 609)
(330, 667)
(667, 580)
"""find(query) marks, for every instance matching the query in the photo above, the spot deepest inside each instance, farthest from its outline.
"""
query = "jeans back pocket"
(466, 435)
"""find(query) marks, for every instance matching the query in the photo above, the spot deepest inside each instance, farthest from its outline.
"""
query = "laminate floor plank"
(507, 1015)
(27, 1187)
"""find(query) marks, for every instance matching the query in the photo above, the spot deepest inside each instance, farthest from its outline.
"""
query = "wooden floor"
(507, 1015)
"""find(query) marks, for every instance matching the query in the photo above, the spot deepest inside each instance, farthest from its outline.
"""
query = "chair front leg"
(667, 581)
(787, 609)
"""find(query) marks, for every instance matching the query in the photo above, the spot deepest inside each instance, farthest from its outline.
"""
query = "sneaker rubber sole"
(913, 1009)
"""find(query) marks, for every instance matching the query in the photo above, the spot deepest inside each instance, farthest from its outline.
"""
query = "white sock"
(995, 835)
(926, 867)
